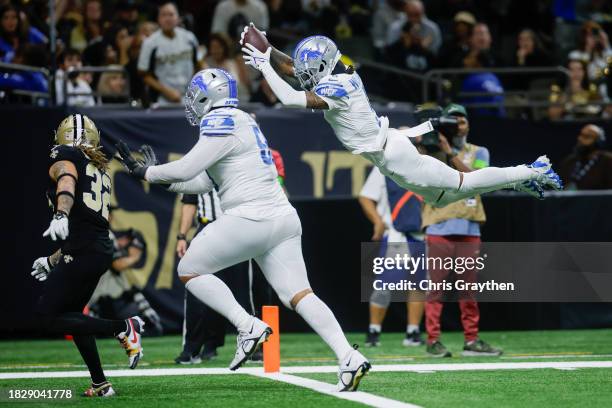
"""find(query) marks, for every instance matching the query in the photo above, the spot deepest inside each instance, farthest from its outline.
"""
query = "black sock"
(76, 323)
(87, 347)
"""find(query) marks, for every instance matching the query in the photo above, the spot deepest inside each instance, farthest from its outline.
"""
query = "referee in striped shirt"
(203, 328)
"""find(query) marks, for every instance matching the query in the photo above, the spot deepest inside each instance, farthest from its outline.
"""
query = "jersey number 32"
(99, 198)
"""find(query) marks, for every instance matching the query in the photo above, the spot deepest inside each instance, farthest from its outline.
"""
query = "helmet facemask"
(197, 105)
(209, 88)
(314, 58)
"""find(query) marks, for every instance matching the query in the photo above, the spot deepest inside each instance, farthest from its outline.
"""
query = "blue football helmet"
(314, 58)
(209, 88)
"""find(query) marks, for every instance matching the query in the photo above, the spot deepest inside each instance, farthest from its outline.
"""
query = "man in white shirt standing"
(375, 204)
(168, 58)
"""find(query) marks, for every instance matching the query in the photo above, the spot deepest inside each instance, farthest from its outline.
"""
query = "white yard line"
(416, 368)
(330, 389)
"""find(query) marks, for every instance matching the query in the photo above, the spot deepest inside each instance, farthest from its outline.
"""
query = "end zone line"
(151, 372)
(330, 389)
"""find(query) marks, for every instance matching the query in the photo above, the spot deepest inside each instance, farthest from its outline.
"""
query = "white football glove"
(41, 269)
(244, 31)
(255, 58)
(58, 229)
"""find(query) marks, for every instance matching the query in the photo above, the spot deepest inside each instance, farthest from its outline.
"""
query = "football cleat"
(372, 338)
(480, 348)
(188, 358)
(412, 339)
(352, 369)
(546, 176)
(103, 390)
(530, 187)
(249, 341)
(130, 340)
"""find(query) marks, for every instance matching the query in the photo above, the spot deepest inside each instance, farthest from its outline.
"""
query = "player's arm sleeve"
(144, 58)
(189, 199)
(283, 91)
(372, 188)
(204, 154)
(334, 93)
(200, 184)
(481, 159)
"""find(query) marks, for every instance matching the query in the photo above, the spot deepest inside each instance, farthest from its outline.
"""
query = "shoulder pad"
(217, 123)
(64, 152)
(331, 86)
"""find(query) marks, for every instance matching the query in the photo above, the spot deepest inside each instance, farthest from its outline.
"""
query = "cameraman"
(454, 231)
(115, 297)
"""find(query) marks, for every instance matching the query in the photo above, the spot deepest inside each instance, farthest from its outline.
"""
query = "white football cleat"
(249, 341)
(546, 176)
(130, 340)
(352, 369)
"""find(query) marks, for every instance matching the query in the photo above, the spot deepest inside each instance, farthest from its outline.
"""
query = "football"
(256, 38)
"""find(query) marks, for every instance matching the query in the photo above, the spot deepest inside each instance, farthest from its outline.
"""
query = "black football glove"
(135, 167)
(148, 155)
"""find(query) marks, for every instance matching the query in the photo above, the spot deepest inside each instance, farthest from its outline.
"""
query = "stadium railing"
(47, 98)
(34, 97)
(97, 95)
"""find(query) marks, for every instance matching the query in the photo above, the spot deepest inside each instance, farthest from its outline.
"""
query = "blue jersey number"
(266, 155)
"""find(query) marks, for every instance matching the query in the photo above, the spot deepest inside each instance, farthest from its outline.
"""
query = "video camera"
(447, 125)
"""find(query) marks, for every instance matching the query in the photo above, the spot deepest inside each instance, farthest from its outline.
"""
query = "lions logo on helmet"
(209, 88)
(313, 59)
(77, 130)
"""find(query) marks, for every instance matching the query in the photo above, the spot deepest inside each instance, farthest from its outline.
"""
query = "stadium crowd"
(155, 47)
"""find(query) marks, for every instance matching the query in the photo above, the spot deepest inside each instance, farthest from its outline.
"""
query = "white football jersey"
(350, 114)
(246, 177)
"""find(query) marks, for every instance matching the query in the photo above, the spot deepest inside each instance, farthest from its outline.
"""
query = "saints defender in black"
(79, 190)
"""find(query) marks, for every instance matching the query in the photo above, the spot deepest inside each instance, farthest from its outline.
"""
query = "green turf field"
(542, 387)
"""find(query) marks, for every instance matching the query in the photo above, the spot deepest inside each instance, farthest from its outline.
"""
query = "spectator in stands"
(264, 94)
(529, 53)
(572, 100)
(409, 52)
(459, 44)
(593, 47)
(589, 167)
(76, 83)
(144, 30)
(414, 11)
(15, 33)
(231, 16)
(112, 86)
(387, 13)
(479, 53)
(120, 39)
(529, 50)
(168, 58)
(32, 55)
(220, 56)
(126, 15)
(286, 15)
(454, 231)
(90, 29)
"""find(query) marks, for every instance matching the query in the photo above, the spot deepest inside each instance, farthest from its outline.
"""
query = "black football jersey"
(88, 219)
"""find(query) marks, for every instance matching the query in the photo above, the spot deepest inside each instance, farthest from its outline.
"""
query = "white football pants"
(436, 182)
(275, 244)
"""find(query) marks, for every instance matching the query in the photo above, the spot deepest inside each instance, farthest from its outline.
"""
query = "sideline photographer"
(454, 231)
